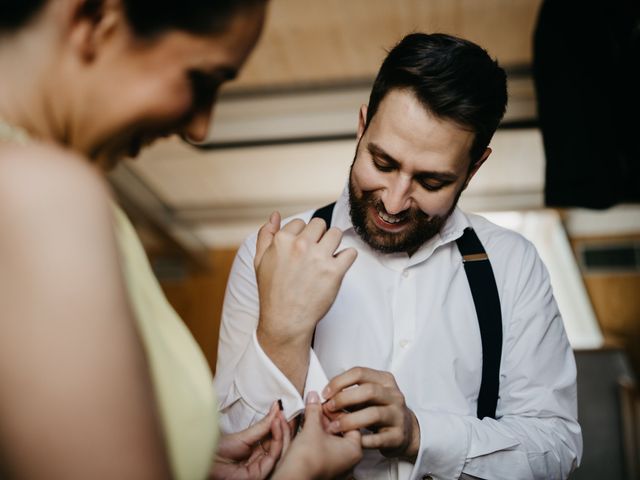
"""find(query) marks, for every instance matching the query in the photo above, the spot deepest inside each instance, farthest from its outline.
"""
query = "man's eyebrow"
(445, 177)
(377, 151)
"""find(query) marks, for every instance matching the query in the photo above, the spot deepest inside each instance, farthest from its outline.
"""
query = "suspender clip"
(475, 257)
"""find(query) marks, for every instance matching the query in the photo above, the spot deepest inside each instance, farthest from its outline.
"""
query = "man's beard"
(420, 226)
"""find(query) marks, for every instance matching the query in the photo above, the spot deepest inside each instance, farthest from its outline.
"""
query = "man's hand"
(252, 453)
(298, 276)
(374, 402)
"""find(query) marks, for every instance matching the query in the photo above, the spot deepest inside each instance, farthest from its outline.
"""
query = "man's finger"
(353, 376)
(326, 421)
(363, 394)
(330, 241)
(314, 230)
(346, 258)
(385, 439)
(366, 418)
(354, 436)
(294, 227)
(265, 236)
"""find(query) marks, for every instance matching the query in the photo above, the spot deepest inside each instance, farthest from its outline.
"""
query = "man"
(450, 364)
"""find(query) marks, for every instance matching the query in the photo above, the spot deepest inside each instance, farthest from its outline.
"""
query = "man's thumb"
(265, 236)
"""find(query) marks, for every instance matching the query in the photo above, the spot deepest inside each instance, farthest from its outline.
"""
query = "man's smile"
(388, 223)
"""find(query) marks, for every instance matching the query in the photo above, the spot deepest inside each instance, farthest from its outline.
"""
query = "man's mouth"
(391, 223)
(390, 218)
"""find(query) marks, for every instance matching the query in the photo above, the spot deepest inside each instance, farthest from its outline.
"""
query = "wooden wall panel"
(616, 300)
(336, 41)
(198, 300)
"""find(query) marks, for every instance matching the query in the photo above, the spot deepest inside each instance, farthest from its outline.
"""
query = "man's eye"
(431, 185)
(382, 166)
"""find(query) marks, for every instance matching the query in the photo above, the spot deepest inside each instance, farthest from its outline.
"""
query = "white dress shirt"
(415, 317)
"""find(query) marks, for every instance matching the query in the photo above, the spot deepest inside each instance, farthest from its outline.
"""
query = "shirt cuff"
(444, 443)
(316, 377)
(260, 383)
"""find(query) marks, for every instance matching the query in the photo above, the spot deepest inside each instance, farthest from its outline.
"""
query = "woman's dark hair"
(198, 16)
(146, 17)
(16, 13)
(453, 78)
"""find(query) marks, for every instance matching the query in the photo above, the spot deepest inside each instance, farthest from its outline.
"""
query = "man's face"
(409, 171)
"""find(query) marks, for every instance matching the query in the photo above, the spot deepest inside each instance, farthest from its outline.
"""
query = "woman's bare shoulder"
(46, 180)
(53, 203)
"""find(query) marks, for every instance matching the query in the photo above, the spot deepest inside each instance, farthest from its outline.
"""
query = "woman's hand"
(315, 454)
(252, 453)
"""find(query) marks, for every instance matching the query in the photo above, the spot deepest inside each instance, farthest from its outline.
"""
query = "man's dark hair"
(146, 17)
(453, 78)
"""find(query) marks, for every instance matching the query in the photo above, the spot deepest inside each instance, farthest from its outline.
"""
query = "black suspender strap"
(325, 213)
(487, 302)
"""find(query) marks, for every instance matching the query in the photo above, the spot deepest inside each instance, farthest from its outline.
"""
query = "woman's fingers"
(313, 410)
(260, 429)
(286, 434)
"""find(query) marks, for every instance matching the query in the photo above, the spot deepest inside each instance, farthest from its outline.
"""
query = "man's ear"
(92, 23)
(476, 166)
(362, 121)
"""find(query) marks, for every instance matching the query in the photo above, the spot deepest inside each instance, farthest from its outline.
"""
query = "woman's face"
(143, 89)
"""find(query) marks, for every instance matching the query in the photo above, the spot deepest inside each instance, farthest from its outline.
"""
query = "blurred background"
(565, 168)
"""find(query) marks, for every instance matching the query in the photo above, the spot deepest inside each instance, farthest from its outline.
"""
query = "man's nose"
(397, 197)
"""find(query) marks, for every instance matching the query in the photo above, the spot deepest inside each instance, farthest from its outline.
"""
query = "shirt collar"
(451, 231)
(341, 217)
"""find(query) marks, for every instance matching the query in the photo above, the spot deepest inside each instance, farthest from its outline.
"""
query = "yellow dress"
(180, 373)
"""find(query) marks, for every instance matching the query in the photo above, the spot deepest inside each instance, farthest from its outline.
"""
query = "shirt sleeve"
(247, 381)
(535, 434)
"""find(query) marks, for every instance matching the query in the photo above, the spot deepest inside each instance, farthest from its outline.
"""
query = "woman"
(98, 377)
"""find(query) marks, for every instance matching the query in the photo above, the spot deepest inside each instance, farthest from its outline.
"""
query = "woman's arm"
(75, 394)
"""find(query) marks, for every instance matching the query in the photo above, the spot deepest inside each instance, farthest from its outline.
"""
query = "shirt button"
(404, 343)
(405, 273)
